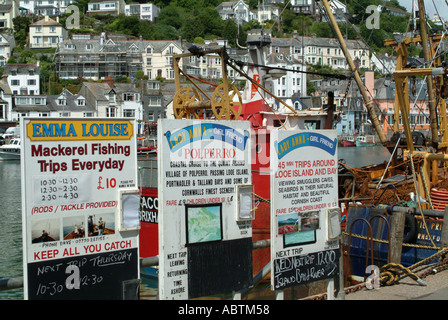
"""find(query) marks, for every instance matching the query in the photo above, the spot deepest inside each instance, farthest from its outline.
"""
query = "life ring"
(411, 236)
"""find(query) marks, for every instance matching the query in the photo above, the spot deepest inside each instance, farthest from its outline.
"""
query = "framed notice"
(72, 172)
(204, 248)
(304, 177)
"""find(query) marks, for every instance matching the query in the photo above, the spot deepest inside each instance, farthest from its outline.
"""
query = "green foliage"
(139, 74)
(199, 40)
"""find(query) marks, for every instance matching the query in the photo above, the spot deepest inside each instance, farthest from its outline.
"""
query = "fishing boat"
(254, 104)
(365, 141)
(10, 151)
(146, 147)
(348, 141)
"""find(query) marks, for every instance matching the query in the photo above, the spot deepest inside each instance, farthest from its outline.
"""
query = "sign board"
(304, 196)
(79, 208)
(205, 237)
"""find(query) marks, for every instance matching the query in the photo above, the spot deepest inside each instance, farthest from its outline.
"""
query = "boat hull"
(364, 144)
(410, 255)
(4, 156)
(346, 143)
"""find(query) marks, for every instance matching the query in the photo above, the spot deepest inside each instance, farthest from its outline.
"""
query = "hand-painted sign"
(303, 188)
(72, 170)
(203, 248)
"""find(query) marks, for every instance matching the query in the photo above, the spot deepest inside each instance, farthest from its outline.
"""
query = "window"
(69, 46)
(150, 116)
(81, 102)
(128, 113)
(148, 61)
(89, 46)
(62, 102)
(52, 29)
(44, 114)
(38, 29)
(128, 97)
(87, 114)
(64, 114)
(111, 112)
(148, 50)
(31, 82)
(111, 97)
(15, 82)
(149, 73)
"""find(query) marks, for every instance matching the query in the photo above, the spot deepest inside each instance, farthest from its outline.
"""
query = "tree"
(139, 74)
(170, 16)
(199, 40)
(230, 32)
(192, 28)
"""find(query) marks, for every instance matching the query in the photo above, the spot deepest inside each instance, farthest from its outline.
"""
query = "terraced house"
(113, 56)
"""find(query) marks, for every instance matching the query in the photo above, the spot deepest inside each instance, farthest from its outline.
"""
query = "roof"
(5, 7)
(285, 42)
(43, 22)
(22, 68)
(71, 104)
(98, 89)
(123, 46)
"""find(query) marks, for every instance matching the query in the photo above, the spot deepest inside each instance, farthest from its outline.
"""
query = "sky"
(429, 7)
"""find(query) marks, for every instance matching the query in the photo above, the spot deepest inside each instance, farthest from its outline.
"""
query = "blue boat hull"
(410, 255)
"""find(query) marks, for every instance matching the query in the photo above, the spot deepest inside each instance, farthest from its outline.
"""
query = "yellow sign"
(79, 130)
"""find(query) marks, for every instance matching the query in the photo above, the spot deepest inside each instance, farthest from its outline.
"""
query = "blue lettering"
(72, 131)
(84, 133)
(36, 130)
(97, 131)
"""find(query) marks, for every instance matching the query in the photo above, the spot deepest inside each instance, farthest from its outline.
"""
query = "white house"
(23, 78)
(30, 106)
(145, 11)
(104, 7)
(148, 11)
(46, 7)
(236, 10)
(7, 43)
(384, 64)
(158, 58)
(46, 33)
(287, 83)
(5, 101)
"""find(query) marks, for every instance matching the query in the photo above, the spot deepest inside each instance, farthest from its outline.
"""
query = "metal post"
(432, 104)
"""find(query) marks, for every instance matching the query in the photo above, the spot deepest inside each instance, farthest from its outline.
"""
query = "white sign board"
(204, 233)
(304, 186)
(74, 172)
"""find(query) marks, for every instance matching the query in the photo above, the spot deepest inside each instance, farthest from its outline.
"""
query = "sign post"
(205, 208)
(80, 208)
(304, 207)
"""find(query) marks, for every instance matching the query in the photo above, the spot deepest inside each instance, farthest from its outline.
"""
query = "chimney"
(370, 83)
(102, 38)
(141, 38)
(57, 19)
(109, 81)
(47, 18)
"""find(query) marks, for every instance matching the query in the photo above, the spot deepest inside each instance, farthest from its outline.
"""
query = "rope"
(391, 273)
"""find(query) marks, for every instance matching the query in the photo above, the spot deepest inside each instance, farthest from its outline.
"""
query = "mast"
(432, 104)
(367, 99)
